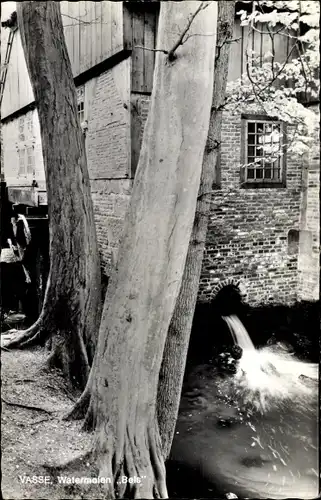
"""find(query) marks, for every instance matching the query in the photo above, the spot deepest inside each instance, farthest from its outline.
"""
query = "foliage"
(278, 85)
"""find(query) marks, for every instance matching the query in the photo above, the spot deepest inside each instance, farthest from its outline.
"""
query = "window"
(30, 160)
(21, 128)
(22, 161)
(293, 242)
(263, 152)
(29, 124)
(81, 104)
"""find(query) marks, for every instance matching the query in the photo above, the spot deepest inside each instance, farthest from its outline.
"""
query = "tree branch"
(152, 50)
(225, 41)
(171, 53)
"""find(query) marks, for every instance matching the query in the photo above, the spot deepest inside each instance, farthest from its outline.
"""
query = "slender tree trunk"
(71, 309)
(152, 255)
(176, 346)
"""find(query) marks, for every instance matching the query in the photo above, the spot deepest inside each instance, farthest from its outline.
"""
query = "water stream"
(254, 433)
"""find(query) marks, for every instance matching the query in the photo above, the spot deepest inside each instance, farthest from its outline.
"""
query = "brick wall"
(248, 241)
(107, 109)
(248, 230)
(309, 248)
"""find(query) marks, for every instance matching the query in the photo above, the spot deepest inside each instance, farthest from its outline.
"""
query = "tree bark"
(176, 346)
(71, 309)
(145, 285)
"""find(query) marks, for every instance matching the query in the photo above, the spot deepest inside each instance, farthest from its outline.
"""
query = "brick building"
(264, 225)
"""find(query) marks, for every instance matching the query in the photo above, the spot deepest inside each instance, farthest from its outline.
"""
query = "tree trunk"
(152, 256)
(176, 346)
(71, 309)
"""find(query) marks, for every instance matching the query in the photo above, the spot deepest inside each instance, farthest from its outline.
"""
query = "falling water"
(238, 332)
(272, 375)
(253, 433)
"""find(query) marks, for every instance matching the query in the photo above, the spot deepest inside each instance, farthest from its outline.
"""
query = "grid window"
(21, 128)
(81, 104)
(30, 161)
(29, 124)
(264, 158)
(22, 161)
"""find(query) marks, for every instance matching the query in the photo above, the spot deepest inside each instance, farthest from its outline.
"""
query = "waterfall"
(261, 421)
(270, 375)
(238, 332)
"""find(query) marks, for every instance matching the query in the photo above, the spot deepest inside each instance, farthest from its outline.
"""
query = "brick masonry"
(248, 236)
(309, 244)
(249, 229)
(108, 146)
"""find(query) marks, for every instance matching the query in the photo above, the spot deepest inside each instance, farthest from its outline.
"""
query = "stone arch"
(230, 282)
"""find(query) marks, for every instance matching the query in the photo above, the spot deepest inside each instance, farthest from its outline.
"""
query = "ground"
(34, 442)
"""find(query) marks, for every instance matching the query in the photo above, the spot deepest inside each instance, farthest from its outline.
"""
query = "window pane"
(251, 151)
(21, 125)
(251, 139)
(276, 173)
(267, 173)
(22, 162)
(259, 163)
(268, 128)
(251, 127)
(263, 150)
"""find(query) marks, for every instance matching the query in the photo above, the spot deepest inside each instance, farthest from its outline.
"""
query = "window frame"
(262, 183)
(81, 103)
(22, 162)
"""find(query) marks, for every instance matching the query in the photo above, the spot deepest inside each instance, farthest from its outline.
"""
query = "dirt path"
(35, 441)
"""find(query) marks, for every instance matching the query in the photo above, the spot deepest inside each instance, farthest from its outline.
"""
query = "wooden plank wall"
(258, 42)
(17, 91)
(93, 31)
(141, 27)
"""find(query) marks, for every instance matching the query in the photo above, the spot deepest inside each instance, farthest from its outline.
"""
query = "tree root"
(41, 420)
(77, 466)
(90, 418)
(137, 468)
(23, 338)
(29, 407)
(81, 406)
(62, 389)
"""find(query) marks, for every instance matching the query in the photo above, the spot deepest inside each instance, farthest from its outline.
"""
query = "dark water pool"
(225, 441)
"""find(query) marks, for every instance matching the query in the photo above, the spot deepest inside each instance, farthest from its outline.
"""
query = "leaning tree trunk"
(176, 346)
(71, 309)
(152, 256)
